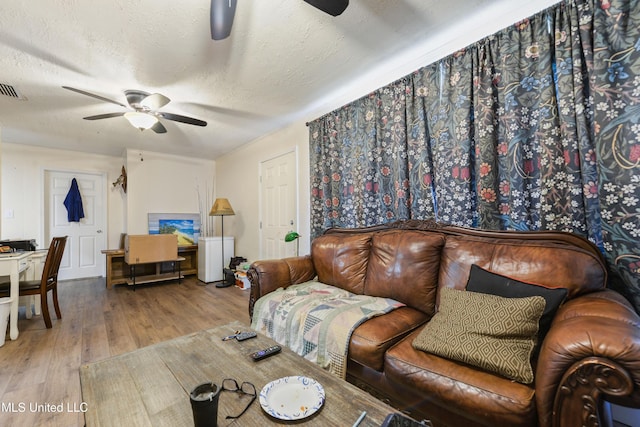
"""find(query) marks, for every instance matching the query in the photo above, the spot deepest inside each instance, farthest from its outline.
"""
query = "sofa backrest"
(542, 262)
(341, 260)
(404, 265)
(398, 264)
(410, 260)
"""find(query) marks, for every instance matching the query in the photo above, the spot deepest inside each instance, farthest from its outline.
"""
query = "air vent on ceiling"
(10, 91)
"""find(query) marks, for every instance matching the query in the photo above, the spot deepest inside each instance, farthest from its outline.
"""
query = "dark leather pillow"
(481, 280)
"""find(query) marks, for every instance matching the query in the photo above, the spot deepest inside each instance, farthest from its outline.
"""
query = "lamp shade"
(221, 207)
(141, 120)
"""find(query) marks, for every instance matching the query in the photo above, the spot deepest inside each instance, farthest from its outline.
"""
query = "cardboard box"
(150, 248)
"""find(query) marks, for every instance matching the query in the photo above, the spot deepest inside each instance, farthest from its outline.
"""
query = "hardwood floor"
(39, 379)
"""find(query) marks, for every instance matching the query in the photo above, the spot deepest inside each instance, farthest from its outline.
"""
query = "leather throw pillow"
(490, 332)
(481, 280)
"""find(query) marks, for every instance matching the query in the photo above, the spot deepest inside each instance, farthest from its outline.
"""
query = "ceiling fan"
(143, 106)
(223, 11)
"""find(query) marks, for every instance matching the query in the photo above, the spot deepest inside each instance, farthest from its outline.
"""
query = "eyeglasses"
(229, 384)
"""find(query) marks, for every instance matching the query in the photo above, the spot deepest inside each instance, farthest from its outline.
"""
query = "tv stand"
(118, 271)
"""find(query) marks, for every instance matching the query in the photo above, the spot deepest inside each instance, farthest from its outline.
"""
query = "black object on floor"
(229, 279)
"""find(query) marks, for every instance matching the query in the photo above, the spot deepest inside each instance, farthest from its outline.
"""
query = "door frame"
(44, 225)
(294, 150)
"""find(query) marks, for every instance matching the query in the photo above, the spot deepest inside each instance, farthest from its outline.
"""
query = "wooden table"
(148, 387)
(12, 264)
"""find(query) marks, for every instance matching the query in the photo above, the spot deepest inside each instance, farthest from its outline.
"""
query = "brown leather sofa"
(590, 356)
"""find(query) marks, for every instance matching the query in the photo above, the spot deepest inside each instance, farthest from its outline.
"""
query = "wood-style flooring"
(39, 371)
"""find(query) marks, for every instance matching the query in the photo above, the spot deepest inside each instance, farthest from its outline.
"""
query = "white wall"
(237, 179)
(22, 195)
(159, 183)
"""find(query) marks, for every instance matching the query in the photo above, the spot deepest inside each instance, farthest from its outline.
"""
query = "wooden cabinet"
(119, 272)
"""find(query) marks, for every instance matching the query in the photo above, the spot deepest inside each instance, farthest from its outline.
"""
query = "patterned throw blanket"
(316, 320)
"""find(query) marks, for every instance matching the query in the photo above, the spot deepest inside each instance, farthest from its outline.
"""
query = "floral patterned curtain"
(363, 163)
(535, 127)
(614, 73)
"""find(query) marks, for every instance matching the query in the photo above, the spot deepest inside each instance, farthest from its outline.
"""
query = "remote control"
(270, 351)
(246, 335)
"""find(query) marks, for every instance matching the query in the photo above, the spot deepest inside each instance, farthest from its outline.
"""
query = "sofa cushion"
(370, 340)
(491, 332)
(530, 261)
(404, 265)
(341, 260)
(470, 391)
(481, 280)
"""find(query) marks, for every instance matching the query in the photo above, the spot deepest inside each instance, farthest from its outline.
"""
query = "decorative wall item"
(122, 180)
(186, 226)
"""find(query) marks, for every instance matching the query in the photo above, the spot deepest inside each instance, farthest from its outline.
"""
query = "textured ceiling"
(285, 61)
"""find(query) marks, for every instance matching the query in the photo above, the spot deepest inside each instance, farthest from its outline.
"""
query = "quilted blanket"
(316, 320)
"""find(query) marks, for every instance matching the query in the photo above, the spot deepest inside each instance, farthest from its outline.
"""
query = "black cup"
(204, 403)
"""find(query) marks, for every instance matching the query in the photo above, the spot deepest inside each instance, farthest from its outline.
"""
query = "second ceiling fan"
(223, 12)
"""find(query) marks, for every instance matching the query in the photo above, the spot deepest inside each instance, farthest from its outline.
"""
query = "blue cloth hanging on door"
(73, 203)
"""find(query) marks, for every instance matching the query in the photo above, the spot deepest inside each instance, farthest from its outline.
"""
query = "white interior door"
(278, 177)
(86, 239)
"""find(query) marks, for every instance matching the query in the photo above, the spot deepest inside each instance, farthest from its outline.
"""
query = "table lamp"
(222, 207)
(290, 237)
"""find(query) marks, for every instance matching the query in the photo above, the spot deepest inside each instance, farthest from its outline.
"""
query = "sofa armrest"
(591, 353)
(267, 276)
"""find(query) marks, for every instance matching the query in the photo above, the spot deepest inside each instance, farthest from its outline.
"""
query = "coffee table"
(149, 386)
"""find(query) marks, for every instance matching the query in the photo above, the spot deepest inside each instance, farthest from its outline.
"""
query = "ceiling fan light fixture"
(142, 114)
(141, 120)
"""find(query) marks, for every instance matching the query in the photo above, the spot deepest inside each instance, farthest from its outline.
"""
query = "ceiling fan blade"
(159, 128)
(221, 17)
(332, 7)
(154, 101)
(93, 95)
(226, 111)
(104, 116)
(182, 119)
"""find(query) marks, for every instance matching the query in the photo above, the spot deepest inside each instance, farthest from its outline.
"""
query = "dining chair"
(48, 281)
